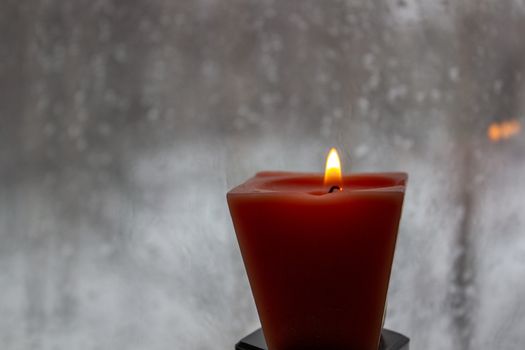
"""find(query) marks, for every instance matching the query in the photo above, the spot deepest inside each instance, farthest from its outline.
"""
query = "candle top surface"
(292, 183)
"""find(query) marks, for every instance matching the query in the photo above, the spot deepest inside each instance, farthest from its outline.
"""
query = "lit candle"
(318, 252)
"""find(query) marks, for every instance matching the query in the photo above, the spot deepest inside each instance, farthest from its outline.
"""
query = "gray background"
(124, 123)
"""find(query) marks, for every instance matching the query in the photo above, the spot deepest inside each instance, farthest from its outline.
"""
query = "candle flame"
(332, 173)
(504, 130)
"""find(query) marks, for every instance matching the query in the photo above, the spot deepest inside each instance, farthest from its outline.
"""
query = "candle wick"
(333, 188)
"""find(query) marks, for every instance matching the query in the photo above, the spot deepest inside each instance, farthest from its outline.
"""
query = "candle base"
(389, 341)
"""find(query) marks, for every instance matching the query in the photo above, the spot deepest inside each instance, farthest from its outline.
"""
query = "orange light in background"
(332, 173)
(504, 130)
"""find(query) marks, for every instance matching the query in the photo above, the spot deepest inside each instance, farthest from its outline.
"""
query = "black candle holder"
(389, 341)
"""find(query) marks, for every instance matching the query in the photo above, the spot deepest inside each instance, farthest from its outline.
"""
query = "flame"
(503, 130)
(332, 173)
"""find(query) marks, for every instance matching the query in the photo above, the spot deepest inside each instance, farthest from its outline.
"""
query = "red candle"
(319, 262)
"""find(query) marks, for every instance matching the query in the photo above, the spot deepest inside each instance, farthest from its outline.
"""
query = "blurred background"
(125, 122)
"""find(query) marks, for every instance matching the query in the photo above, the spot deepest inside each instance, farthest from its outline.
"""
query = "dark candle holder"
(389, 341)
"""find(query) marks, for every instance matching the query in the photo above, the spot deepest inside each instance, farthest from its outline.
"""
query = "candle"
(318, 252)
